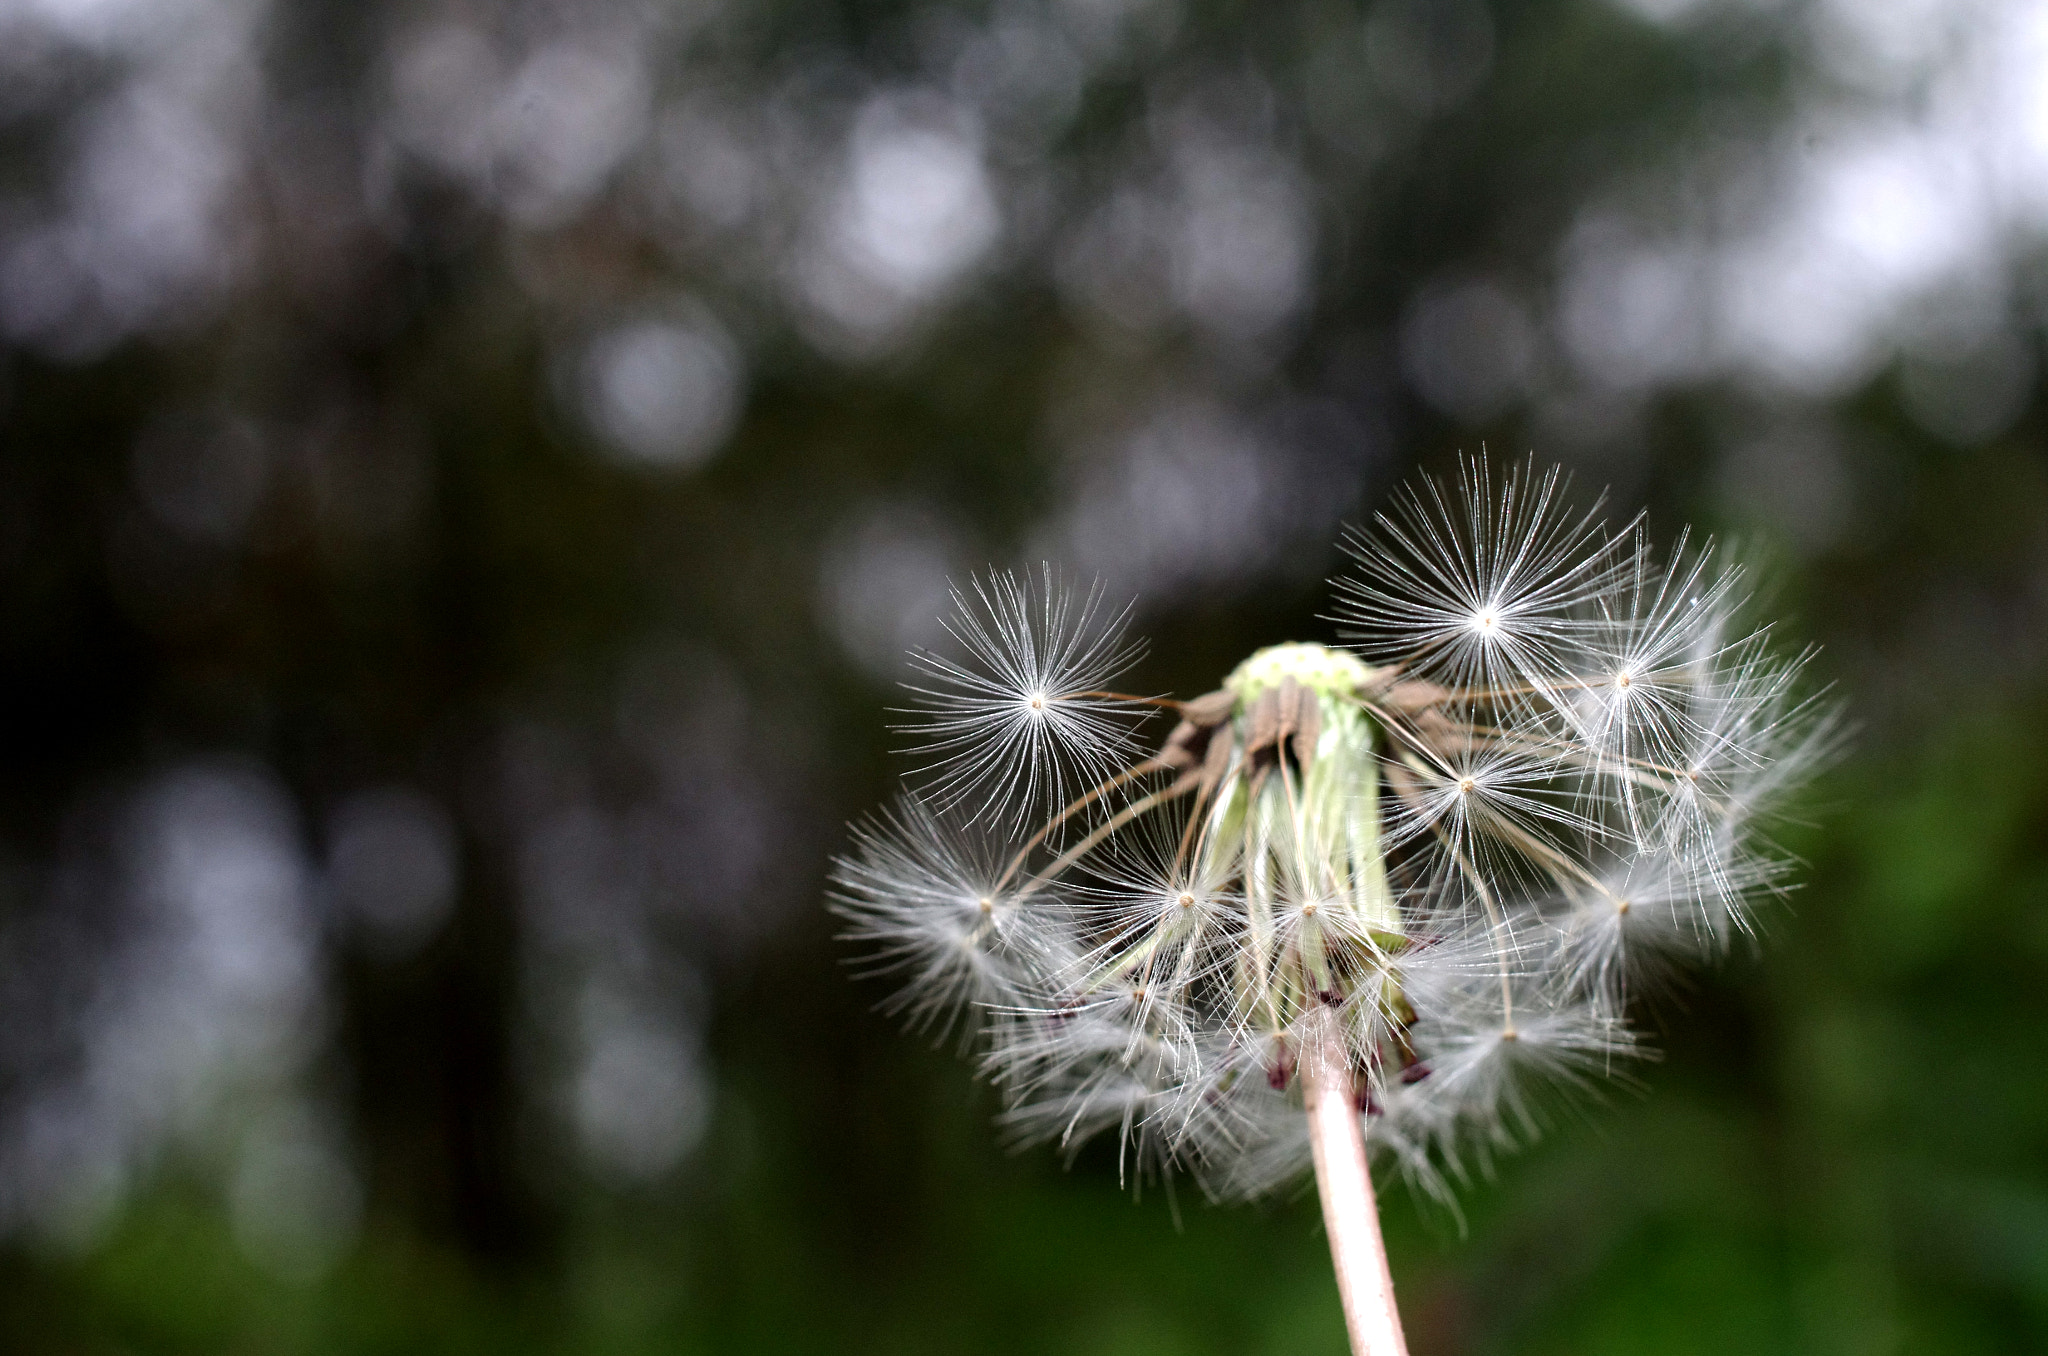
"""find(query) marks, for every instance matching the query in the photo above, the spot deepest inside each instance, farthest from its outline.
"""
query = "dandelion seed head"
(1441, 859)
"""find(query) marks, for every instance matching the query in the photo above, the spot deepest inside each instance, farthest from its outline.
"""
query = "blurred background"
(469, 472)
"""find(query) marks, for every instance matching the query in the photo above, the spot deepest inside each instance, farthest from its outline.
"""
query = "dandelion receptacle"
(1371, 900)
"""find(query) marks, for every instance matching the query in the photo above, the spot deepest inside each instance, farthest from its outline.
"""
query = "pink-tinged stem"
(1350, 1215)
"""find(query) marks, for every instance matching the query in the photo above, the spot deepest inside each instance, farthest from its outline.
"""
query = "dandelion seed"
(1395, 896)
(1477, 585)
(1021, 713)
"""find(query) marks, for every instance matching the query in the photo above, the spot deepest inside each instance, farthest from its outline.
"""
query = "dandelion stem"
(1344, 1182)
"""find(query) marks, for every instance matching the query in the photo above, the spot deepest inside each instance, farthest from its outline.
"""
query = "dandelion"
(1384, 897)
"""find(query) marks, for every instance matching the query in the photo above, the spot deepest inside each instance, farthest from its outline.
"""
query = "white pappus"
(1426, 867)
